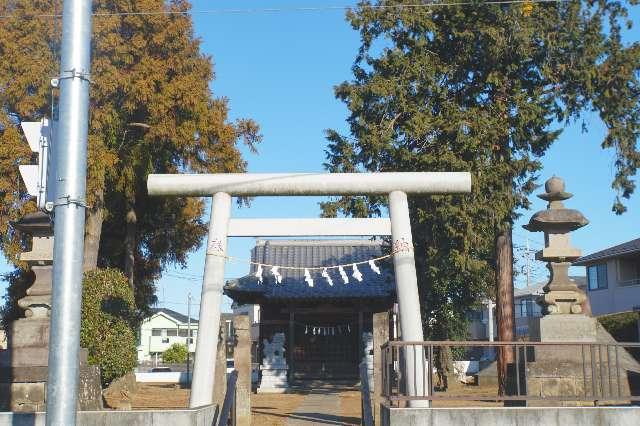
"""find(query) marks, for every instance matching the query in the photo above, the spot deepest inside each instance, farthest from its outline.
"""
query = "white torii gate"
(223, 186)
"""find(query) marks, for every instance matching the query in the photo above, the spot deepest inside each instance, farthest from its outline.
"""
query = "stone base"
(568, 328)
(273, 390)
(29, 333)
(576, 370)
(28, 397)
(23, 377)
(274, 380)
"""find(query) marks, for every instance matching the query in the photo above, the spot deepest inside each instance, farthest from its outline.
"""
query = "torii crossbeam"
(223, 186)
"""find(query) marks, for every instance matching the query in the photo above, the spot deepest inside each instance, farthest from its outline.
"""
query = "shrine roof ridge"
(318, 242)
(310, 253)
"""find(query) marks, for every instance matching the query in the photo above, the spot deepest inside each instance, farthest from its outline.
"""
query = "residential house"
(527, 312)
(613, 277)
(161, 330)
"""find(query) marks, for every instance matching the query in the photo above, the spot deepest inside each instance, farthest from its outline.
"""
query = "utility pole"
(490, 306)
(528, 265)
(188, 332)
(504, 305)
(69, 213)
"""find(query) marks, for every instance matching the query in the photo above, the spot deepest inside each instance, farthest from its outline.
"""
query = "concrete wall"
(547, 416)
(163, 377)
(613, 298)
(205, 416)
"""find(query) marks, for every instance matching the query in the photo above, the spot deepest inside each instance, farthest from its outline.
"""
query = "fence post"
(228, 407)
(380, 336)
(242, 364)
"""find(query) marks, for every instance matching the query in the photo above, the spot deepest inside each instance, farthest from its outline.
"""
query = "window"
(528, 308)
(165, 340)
(597, 276)
(629, 271)
(475, 315)
(182, 332)
(172, 332)
(156, 332)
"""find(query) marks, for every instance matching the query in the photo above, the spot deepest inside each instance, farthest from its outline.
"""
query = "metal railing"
(591, 373)
(365, 396)
(228, 410)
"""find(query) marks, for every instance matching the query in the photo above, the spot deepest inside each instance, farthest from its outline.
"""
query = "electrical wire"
(529, 238)
(195, 278)
(288, 9)
(166, 302)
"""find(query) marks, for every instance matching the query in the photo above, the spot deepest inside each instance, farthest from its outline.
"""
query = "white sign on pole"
(35, 177)
(29, 175)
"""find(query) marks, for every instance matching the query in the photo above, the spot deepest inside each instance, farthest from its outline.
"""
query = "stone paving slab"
(318, 408)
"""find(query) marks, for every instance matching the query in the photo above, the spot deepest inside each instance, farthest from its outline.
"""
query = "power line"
(167, 302)
(195, 278)
(528, 237)
(286, 9)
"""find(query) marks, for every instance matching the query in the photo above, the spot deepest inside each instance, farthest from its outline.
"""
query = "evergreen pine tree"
(484, 88)
(151, 111)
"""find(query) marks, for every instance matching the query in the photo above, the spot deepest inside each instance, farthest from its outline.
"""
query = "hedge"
(623, 327)
(176, 354)
(108, 323)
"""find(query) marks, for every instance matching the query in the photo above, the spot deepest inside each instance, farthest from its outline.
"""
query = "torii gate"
(223, 186)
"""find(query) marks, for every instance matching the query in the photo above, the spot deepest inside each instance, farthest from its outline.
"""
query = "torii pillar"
(223, 186)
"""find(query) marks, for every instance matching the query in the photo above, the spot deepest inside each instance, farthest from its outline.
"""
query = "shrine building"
(327, 323)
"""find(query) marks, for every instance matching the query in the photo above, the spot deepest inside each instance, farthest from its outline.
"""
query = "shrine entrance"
(222, 187)
(326, 323)
(326, 348)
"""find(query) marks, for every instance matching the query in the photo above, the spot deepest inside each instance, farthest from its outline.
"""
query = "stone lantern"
(37, 302)
(562, 295)
(567, 370)
(24, 364)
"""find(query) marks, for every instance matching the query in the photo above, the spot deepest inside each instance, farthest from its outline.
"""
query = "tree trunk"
(93, 231)
(504, 304)
(130, 247)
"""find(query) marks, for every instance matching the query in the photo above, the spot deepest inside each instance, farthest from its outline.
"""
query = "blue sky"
(280, 68)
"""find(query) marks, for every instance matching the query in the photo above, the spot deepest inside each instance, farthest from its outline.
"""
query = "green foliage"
(483, 88)
(108, 323)
(177, 353)
(151, 111)
(623, 327)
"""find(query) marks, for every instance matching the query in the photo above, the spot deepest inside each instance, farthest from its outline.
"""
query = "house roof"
(173, 314)
(314, 253)
(630, 247)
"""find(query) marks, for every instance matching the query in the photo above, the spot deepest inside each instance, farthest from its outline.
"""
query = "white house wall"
(613, 298)
(253, 311)
(151, 344)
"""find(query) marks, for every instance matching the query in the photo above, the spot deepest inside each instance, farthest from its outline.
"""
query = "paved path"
(320, 407)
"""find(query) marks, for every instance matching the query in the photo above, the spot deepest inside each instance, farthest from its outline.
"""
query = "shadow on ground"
(320, 418)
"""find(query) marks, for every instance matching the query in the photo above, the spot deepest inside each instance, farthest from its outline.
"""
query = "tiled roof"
(173, 314)
(630, 247)
(314, 253)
